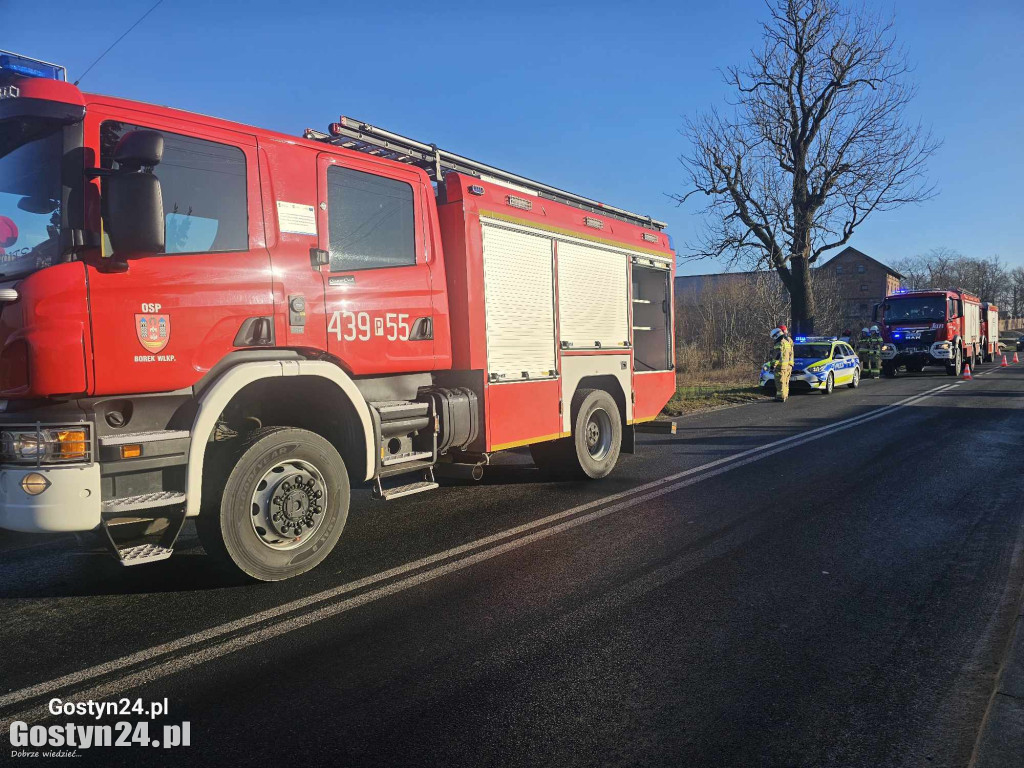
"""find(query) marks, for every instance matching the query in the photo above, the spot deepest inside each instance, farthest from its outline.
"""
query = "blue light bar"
(23, 66)
(801, 339)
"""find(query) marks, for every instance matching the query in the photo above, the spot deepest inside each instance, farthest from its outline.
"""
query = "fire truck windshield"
(30, 190)
(918, 309)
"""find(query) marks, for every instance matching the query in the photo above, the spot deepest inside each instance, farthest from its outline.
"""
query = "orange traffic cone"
(967, 372)
(1015, 358)
(1003, 365)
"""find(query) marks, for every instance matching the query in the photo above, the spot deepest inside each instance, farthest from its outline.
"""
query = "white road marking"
(626, 500)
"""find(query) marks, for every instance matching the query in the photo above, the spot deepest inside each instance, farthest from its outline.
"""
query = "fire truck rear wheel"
(596, 434)
(285, 504)
(593, 450)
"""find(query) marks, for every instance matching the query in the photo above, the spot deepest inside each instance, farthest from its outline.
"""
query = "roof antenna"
(122, 37)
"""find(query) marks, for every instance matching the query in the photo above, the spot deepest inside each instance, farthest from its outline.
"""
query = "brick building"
(862, 282)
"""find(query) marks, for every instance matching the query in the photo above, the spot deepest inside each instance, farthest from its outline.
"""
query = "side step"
(396, 492)
(148, 535)
(143, 501)
(144, 553)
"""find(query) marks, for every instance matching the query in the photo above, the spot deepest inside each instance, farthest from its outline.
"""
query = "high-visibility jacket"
(782, 353)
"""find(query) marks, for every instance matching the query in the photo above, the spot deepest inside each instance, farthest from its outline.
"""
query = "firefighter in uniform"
(864, 353)
(875, 344)
(782, 362)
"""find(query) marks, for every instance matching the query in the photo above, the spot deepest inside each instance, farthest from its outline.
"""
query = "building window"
(863, 286)
(371, 221)
(203, 187)
(860, 268)
(839, 269)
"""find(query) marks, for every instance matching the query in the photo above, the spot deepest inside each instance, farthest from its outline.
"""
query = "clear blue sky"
(588, 96)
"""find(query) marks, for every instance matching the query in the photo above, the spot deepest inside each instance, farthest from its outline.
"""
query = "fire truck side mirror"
(134, 214)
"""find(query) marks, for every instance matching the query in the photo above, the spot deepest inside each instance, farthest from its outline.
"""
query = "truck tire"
(956, 367)
(284, 506)
(593, 450)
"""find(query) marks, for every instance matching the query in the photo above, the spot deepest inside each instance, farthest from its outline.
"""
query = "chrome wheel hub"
(288, 504)
(599, 434)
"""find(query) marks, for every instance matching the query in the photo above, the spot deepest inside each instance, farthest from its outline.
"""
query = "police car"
(819, 362)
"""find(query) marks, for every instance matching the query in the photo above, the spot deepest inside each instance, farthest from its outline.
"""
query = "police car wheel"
(855, 381)
(284, 505)
(830, 384)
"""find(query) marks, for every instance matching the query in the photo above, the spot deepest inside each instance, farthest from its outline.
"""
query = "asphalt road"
(829, 582)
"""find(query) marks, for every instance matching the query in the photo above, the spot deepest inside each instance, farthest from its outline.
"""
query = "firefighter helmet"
(875, 330)
(776, 334)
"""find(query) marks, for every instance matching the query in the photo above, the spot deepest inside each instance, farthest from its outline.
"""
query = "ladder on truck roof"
(363, 137)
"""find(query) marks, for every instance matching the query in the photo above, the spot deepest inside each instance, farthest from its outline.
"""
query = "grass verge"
(712, 389)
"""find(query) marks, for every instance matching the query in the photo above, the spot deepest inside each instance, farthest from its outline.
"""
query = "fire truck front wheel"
(956, 367)
(284, 506)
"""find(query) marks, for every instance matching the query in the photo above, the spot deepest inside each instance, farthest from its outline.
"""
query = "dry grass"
(703, 390)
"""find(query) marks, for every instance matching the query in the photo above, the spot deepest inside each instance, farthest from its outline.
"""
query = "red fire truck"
(201, 319)
(989, 331)
(946, 328)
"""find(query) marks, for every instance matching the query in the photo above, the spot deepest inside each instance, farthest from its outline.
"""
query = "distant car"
(820, 363)
(1020, 343)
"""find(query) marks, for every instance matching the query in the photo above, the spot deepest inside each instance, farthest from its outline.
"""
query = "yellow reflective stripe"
(529, 441)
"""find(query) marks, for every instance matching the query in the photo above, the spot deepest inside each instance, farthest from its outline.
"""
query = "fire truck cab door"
(372, 224)
(164, 320)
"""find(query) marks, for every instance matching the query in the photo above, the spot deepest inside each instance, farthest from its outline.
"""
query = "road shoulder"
(1001, 741)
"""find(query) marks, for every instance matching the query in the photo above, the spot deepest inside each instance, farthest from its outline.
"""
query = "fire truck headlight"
(45, 445)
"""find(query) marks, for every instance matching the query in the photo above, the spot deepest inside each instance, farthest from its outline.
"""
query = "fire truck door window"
(371, 220)
(203, 187)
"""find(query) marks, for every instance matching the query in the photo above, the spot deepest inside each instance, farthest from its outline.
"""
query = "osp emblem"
(154, 331)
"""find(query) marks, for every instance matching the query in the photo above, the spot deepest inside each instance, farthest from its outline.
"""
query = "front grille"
(926, 340)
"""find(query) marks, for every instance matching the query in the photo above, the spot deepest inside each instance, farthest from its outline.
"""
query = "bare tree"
(815, 143)
(943, 268)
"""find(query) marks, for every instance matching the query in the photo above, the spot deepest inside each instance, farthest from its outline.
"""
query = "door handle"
(255, 332)
(422, 329)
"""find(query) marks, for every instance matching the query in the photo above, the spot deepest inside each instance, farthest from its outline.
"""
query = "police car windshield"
(817, 351)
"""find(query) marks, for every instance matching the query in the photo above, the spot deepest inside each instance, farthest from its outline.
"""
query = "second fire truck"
(937, 328)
